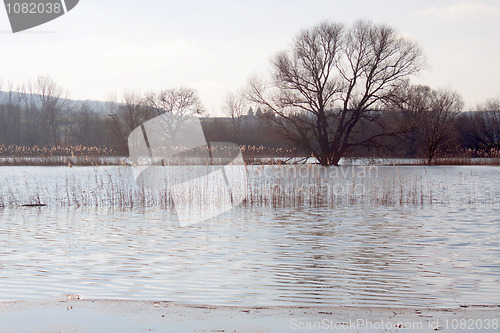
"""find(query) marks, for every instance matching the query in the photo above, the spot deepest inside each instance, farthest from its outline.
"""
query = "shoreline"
(269, 160)
(73, 314)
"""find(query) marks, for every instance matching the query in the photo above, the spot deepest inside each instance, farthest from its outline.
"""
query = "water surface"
(438, 251)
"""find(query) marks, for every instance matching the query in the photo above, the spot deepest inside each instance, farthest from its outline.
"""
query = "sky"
(104, 48)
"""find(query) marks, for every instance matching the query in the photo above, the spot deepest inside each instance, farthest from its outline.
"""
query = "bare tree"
(234, 106)
(333, 78)
(436, 111)
(86, 127)
(179, 101)
(485, 124)
(128, 115)
(179, 104)
(10, 117)
(52, 101)
(43, 102)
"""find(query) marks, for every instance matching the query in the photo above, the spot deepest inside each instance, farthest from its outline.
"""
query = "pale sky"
(104, 47)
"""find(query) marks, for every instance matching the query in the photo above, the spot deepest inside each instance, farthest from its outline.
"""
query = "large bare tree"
(332, 79)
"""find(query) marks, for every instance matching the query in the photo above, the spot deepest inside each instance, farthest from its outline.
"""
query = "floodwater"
(398, 236)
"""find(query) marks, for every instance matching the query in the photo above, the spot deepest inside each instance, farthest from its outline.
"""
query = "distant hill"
(98, 106)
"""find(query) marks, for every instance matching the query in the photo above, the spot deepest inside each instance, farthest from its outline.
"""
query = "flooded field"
(305, 235)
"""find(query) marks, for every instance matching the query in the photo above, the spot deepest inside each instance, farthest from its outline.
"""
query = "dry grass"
(46, 151)
(56, 156)
(466, 161)
(253, 155)
(62, 161)
(470, 157)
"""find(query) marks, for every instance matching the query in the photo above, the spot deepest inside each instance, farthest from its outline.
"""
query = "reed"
(57, 156)
(267, 186)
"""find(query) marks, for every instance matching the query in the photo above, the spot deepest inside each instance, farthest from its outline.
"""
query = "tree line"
(339, 91)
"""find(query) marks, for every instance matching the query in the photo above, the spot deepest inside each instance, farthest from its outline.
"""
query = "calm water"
(438, 250)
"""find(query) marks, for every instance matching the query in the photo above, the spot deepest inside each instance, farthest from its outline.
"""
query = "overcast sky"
(101, 47)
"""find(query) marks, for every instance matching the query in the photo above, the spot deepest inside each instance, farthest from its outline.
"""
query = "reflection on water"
(409, 255)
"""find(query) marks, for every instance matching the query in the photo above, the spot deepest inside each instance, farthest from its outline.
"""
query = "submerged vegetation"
(266, 186)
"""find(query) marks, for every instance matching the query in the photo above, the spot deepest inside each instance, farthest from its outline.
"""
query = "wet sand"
(73, 314)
